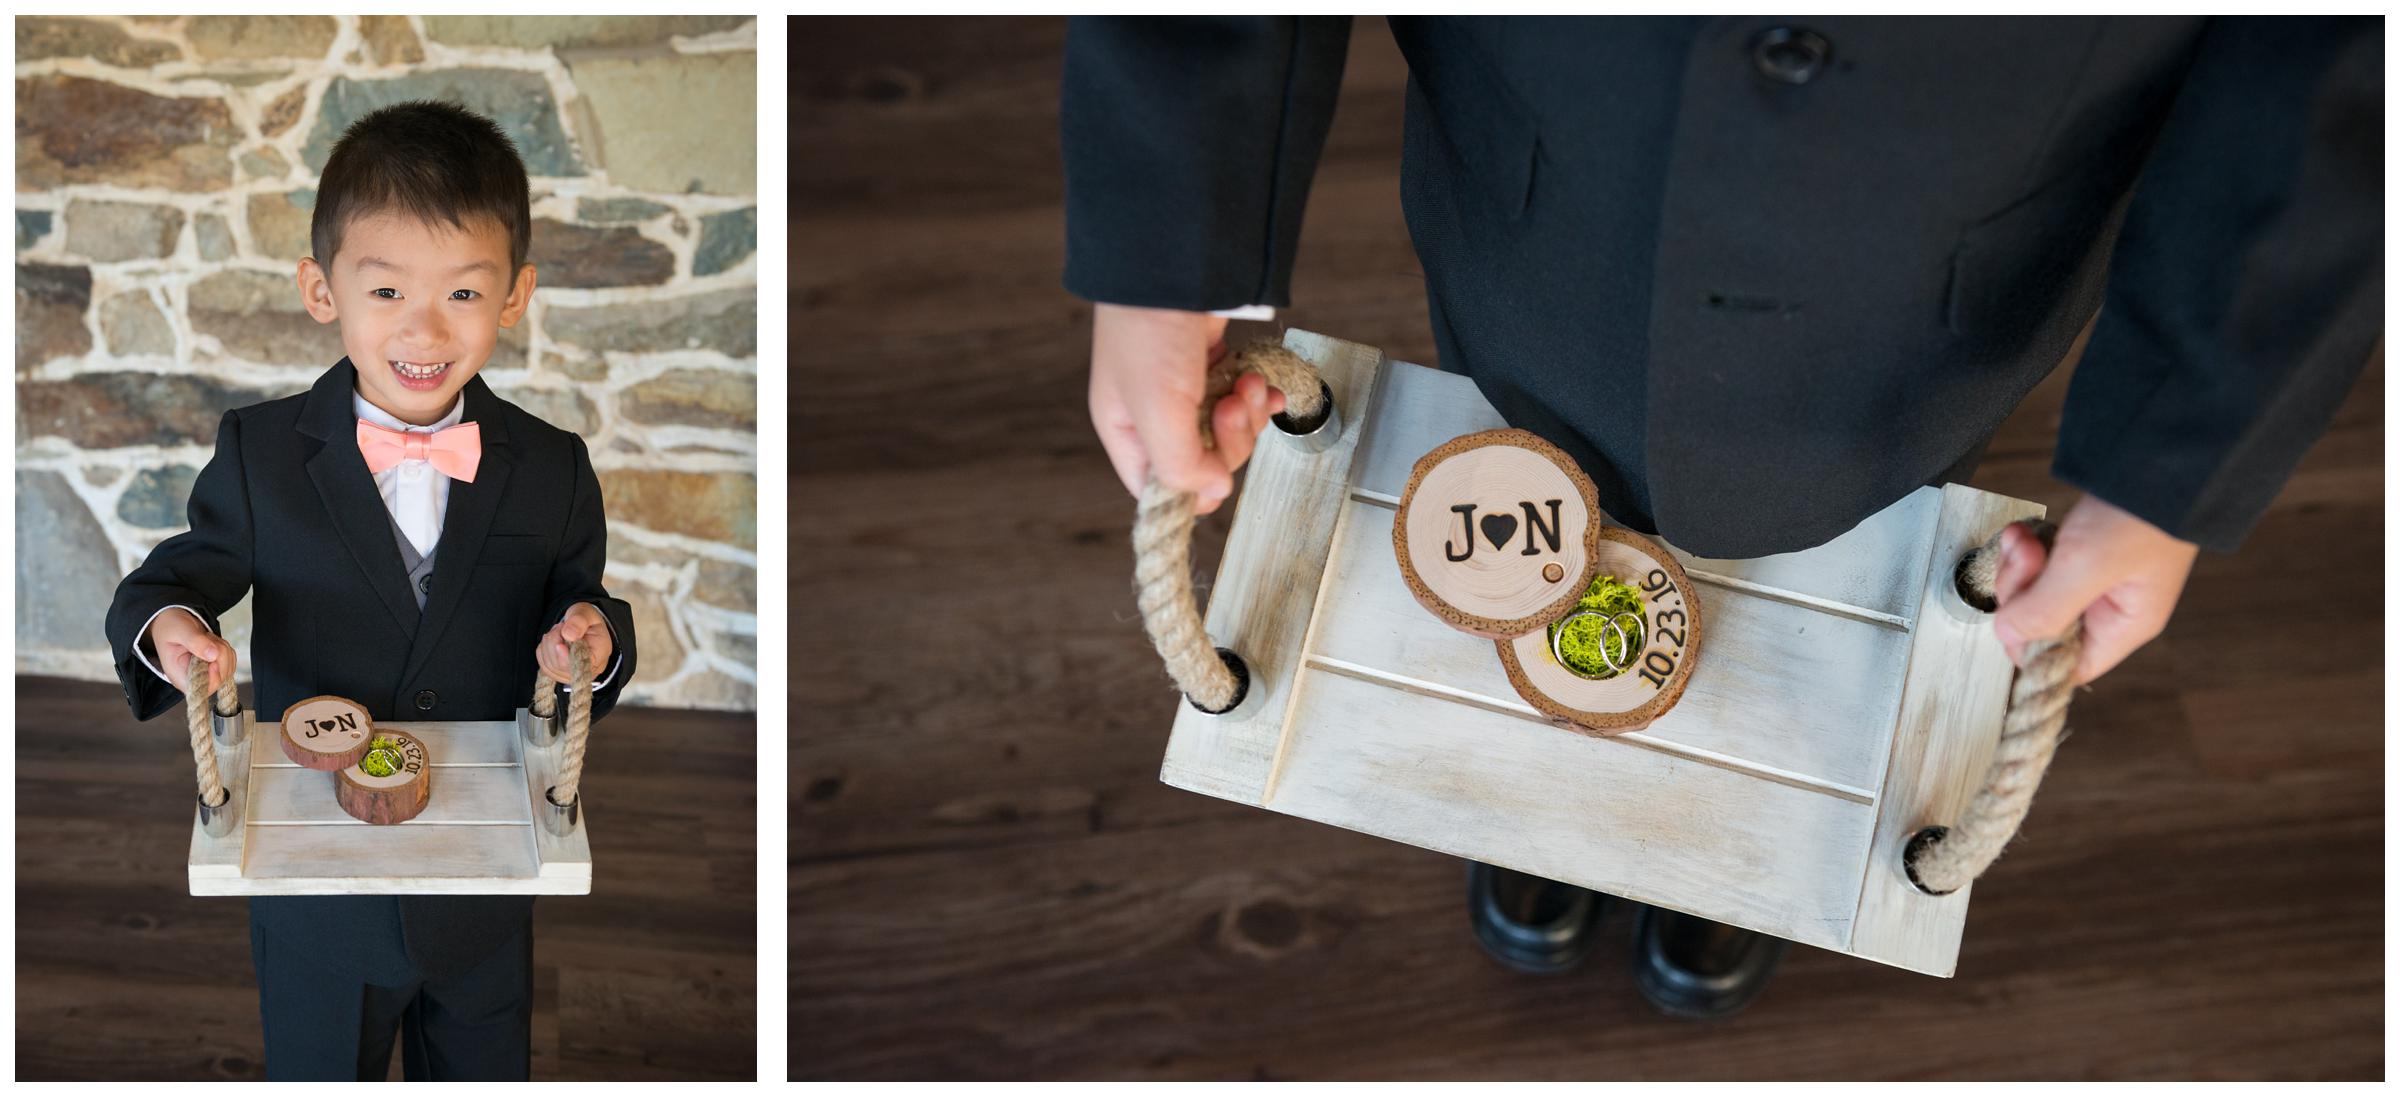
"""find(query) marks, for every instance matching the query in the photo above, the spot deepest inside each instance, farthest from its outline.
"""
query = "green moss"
(383, 757)
(1579, 642)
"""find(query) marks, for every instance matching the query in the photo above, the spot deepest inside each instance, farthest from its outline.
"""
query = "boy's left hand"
(582, 622)
(2121, 574)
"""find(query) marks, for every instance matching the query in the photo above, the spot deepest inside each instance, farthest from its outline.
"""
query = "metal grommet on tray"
(1316, 433)
(228, 727)
(1920, 844)
(217, 818)
(557, 818)
(540, 730)
(1242, 691)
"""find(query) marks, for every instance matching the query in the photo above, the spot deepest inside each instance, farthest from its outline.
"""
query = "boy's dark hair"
(436, 162)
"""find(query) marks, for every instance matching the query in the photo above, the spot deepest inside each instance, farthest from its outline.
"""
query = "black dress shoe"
(1692, 967)
(1529, 923)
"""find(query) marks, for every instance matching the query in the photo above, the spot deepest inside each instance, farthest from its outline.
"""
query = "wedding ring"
(1630, 641)
(1559, 630)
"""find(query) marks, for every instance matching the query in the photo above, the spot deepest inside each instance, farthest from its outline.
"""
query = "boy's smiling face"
(420, 305)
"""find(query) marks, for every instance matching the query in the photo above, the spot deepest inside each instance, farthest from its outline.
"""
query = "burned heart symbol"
(1498, 528)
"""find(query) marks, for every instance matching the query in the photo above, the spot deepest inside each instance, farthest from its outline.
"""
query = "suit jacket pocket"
(2013, 269)
(505, 549)
(1484, 126)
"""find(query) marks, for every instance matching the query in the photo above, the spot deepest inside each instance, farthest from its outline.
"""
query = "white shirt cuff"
(616, 656)
(1247, 312)
(142, 638)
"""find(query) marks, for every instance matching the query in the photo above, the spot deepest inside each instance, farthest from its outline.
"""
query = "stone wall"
(165, 167)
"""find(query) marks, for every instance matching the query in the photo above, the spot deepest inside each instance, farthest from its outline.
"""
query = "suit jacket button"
(1789, 55)
(425, 700)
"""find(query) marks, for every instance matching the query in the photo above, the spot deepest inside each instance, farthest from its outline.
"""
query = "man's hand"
(582, 622)
(2121, 574)
(180, 638)
(1149, 374)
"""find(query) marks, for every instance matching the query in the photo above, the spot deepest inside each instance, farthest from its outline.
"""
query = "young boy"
(410, 541)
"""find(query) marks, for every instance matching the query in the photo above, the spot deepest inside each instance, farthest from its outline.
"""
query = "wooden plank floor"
(123, 975)
(988, 881)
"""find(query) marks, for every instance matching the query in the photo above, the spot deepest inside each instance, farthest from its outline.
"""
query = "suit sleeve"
(576, 577)
(206, 568)
(1189, 145)
(2246, 292)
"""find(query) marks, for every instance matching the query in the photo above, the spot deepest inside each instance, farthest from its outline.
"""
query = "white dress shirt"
(416, 494)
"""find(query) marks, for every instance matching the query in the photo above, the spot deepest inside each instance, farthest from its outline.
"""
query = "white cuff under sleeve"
(616, 655)
(141, 642)
(1247, 312)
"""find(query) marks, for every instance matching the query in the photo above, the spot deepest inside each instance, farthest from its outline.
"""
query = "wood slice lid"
(1662, 628)
(326, 732)
(391, 783)
(1497, 532)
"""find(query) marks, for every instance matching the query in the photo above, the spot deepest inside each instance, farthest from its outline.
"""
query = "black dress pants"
(325, 1025)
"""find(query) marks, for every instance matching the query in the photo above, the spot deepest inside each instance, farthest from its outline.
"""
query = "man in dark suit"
(409, 541)
(1763, 277)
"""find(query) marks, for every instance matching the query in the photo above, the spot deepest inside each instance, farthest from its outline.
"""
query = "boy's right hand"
(179, 638)
(1149, 375)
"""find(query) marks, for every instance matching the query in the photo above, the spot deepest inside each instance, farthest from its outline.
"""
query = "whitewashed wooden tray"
(478, 834)
(1849, 698)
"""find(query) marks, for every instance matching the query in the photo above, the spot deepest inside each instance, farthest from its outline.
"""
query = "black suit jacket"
(287, 513)
(1757, 310)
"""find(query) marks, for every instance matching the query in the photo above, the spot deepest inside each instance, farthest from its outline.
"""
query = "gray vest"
(420, 567)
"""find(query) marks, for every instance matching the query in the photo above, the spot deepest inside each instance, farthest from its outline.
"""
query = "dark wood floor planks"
(123, 975)
(988, 881)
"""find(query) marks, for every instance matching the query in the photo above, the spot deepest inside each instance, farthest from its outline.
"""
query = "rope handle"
(579, 718)
(1941, 860)
(1162, 531)
(196, 713)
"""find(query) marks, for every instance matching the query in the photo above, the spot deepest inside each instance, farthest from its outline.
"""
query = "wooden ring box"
(334, 735)
(326, 733)
(1499, 534)
(393, 798)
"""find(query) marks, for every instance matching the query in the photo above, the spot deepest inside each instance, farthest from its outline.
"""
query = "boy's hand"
(1149, 374)
(180, 638)
(2121, 574)
(582, 622)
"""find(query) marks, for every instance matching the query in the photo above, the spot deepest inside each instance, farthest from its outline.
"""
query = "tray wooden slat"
(567, 860)
(1950, 714)
(291, 796)
(214, 858)
(442, 860)
(1844, 698)
(1771, 649)
(1282, 560)
(1518, 792)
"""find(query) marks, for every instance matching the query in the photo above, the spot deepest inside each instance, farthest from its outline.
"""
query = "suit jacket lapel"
(348, 491)
(465, 522)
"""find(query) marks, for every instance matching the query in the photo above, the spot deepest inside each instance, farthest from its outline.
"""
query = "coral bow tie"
(454, 451)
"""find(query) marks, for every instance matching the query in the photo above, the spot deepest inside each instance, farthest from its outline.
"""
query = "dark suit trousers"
(326, 1025)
